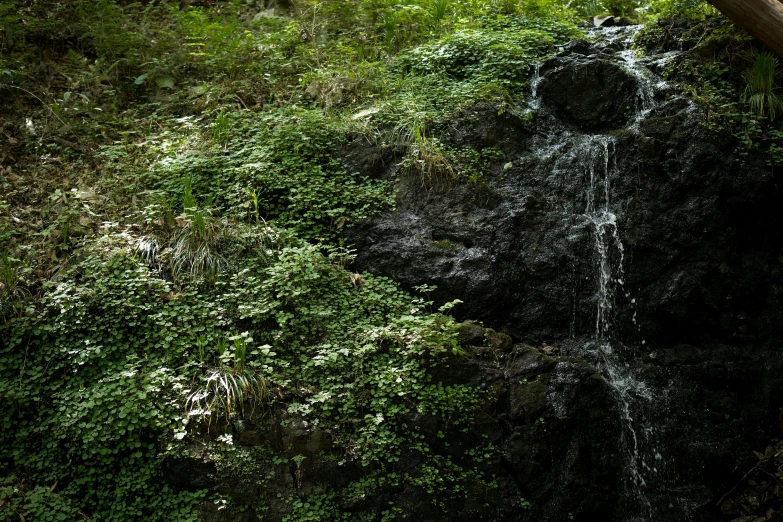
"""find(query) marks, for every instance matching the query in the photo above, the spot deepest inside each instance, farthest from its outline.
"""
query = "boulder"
(595, 94)
(604, 21)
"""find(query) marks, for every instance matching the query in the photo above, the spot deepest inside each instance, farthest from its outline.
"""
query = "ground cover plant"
(175, 269)
(172, 266)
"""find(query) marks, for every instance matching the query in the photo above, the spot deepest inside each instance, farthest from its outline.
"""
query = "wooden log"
(761, 18)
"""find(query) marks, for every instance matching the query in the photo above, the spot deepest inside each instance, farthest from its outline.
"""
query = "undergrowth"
(730, 75)
(172, 266)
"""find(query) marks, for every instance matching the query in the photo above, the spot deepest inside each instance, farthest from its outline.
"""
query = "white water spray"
(595, 158)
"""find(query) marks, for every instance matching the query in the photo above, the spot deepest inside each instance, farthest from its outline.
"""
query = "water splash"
(597, 151)
(623, 38)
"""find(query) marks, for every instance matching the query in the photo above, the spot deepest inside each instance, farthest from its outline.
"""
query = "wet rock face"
(697, 228)
(717, 405)
(556, 423)
(612, 215)
(611, 172)
(595, 94)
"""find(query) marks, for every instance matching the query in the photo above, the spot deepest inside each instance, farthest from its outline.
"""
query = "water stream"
(534, 82)
(596, 154)
(603, 349)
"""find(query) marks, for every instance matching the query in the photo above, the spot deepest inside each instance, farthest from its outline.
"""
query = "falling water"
(597, 156)
(534, 101)
(598, 153)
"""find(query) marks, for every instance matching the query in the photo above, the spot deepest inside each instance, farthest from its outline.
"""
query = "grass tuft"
(760, 91)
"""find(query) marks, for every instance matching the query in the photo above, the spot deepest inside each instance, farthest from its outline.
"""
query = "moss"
(445, 244)
(528, 399)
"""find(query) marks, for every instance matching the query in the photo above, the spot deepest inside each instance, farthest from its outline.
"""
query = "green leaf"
(164, 82)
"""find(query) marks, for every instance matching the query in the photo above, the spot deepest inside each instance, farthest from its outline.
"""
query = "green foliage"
(195, 247)
(171, 267)
(732, 81)
(126, 343)
(438, 10)
(622, 7)
(228, 387)
(760, 90)
(687, 9)
(426, 158)
(498, 57)
(12, 288)
(317, 507)
(87, 374)
(286, 160)
(220, 128)
(224, 390)
(39, 503)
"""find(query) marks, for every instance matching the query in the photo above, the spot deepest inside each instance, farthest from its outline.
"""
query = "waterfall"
(596, 155)
(599, 155)
(534, 101)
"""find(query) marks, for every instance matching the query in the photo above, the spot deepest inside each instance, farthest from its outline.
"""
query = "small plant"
(253, 194)
(9, 278)
(240, 351)
(11, 292)
(624, 8)
(437, 11)
(508, 7)
(224, 391)
(228, 388)
(299, 460)
(427, 159)
(389, 29)
(201, 346)
(760, 89)
(220, 127)
(195, 246)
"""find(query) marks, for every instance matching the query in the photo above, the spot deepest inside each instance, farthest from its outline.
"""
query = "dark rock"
(695, 304)
(698, 229)
(498, 342)
(471, 334)
(250, 438)
(582, 47)
(604, 21)
(483, 342)
(595, 93)
(486, 125)
(369, 159)
(560, 443)
(210, 512)
(527, 361)
(300, 437)
(528, 400)
(194, 472)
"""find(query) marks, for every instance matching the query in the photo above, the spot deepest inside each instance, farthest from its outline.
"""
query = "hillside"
(372, 260)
